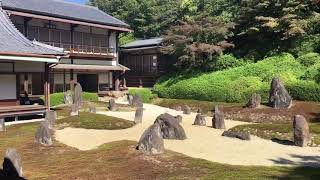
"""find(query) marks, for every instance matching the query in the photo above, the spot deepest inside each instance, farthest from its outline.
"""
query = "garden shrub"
(309, 59)
(312, 73)
(237, 84)
(58, 98)
(227, 61)
(145, 93)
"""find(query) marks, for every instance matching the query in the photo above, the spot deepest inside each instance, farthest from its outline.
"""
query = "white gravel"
(203, 142)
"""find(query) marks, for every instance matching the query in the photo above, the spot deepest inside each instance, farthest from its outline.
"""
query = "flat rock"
(138, 115)
(278, 95)
(151, 141)
(44, 134)
(301, 131)
(218, 119)
(200, 120)
(254, 101)
(238, 135)
(12, 166)
(170, 127)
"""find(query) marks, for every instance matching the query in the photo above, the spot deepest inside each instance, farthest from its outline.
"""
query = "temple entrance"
(89, 82)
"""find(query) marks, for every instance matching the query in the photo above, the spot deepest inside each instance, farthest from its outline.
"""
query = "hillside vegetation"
(237, 84)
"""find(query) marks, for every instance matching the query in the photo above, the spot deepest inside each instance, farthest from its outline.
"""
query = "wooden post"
(47, 87)
(117, 82)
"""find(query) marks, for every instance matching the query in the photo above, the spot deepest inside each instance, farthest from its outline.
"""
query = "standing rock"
(199, 111)
(112, 105)
(278, 95)
(130, 99)
(239, 135)
(137, 101)
(51, 117)
(218, 119)
(170, 127)
(68, 98)
(78, 95)
(200, 120)
(2, 125)
(186, 109)
(74, 110)
(151, 141)
(254, 101)
(301, 131)
(43, 134)
(12, 164)
(92, 108)
(178, 118)
(177, 108)
(138, 115)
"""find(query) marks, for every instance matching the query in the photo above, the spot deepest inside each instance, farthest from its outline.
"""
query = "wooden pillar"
(47, 87)
(117, 81)
(18, 88)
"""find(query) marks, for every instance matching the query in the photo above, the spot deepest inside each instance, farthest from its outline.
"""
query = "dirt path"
(203, 142)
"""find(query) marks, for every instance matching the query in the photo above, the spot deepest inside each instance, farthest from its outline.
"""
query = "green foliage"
(126, 38)
(237, 84)
(58, 98)
(227, 61)
(145, 93)
(309, 59)
(312, 73)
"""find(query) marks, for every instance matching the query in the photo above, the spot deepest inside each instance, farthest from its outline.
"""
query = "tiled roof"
(62, 9)
(144, 43)
(11, 40)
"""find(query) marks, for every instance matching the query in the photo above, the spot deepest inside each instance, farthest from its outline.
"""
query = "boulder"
(112, 105)
(137, 101)
(170, 127)
(178, 118)
(44, 134)
(138, 115)
(254, 101)
(2, 125)
(199, 111)
(68, 98)
(218, 119)
(130, 99)
(51, 117)
(151, 141)
(77, 95)
(186, 109)
(74, 110)
(177, 108)
(239, 135)
(92, 109)
(301, 131)
(278, 95)
(200, 120)
(12, 166)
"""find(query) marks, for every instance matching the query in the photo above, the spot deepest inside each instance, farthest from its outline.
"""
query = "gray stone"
(112, 105)
(151, 141)
(12, 166)
(130, 99)
(170, 127)
(44, 134)
(78, 95)
(177, 108)
(2, 125)
(200, 120)
(178, 118)
(254, 101)
(301, 131)
(92, 109)
(68, 98)
(74, 110)
(278, 95)
(137, 101)
(186, 109)
(51, 117)
(218, 119)
(238, 135)
(199, 111)
(138, 115)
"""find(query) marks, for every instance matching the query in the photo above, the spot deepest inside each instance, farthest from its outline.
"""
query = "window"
(33, 33)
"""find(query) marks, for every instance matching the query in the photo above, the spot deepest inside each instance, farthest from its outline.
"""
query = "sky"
(78, 1)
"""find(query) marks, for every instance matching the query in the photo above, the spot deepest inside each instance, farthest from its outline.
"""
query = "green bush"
(309, 59)
(58, 98)
(228, 61)
(145, 93)
(237, 84)
(312, 73)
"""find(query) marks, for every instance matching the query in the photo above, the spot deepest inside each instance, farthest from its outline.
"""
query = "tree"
(195, 43)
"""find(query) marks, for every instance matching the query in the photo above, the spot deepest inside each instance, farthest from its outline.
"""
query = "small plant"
(145, 93)
(58, 98)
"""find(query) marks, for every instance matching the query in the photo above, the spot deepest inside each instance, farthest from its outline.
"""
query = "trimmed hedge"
(58, 98)
(237, 84)
(146, 94)
(309, 59)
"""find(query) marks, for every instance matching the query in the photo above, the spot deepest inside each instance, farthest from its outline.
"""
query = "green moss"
(145, 93)
(58, 98)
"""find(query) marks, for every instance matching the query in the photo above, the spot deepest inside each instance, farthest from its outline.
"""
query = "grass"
(120, 160)
(96, 121)
(282, 132)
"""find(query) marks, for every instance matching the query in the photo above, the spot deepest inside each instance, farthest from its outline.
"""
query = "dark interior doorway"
(89, 82)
